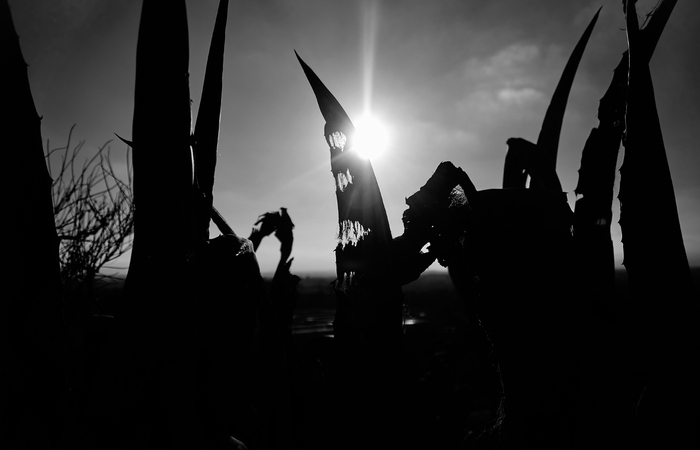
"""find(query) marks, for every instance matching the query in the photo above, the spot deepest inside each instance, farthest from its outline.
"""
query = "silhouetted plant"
(538, 161)
(31, 316)
(186, 360)
(371, 268)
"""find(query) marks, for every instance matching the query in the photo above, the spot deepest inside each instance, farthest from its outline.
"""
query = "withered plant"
(93, 211)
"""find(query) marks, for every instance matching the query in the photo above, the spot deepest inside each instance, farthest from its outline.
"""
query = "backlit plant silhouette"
(540, 277)
(31, 314)
(191, 304)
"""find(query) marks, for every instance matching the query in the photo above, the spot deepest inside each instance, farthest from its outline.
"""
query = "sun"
(371, 137)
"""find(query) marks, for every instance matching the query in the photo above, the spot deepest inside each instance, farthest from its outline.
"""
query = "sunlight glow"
(370, 18)
(371, 137)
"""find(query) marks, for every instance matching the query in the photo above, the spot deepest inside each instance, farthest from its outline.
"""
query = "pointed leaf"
(161, 134)
(548, 140)
(660, 280)
(206, 132)
(334, 114)
(368, 320)
(126, 141)
(652, 30)
(220, 222)
(364, 227)
(648, 213)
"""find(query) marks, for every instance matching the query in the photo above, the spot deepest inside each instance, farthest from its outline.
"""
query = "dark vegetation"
(93, 212)
(539, 277)
(94, 218)
(532, 341)
(450, 390)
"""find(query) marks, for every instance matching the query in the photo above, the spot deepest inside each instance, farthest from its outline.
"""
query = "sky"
(451, 80)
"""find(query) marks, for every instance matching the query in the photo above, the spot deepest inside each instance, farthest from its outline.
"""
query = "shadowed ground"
(451, 390)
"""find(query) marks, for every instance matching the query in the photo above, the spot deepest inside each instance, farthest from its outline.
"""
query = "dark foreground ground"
(450, 386)
(451, 390)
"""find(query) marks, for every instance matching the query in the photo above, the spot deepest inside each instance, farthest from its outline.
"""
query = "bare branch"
(93, 209)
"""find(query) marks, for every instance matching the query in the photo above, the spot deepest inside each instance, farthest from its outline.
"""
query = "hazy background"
(453, 80)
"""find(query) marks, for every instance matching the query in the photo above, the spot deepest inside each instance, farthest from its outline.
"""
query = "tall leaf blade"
(595, 253)
(651, 32)
(364, 226)
(548, 139)
(31, 313)
(368, 321)
(156, 318)
(206, 132)
(334, 114)
(161, 135)
(593, 215)
(648, 238)
(660, 281)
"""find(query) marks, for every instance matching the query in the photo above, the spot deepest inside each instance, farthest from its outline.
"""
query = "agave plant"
(526, 308)
(589, 395)
(593, 213)
(660, 282)
(363, 255)
(594, 247)
(31, 315)
(441, 213)
(648, 237)
(186, 331)
(371, 267)
(158, 320)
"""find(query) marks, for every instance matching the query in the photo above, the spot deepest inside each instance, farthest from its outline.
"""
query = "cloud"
(518, 96)
(506, 83)
(511, 60)
(431, 135)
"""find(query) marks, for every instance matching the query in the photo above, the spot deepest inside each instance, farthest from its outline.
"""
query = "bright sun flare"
(371, 137)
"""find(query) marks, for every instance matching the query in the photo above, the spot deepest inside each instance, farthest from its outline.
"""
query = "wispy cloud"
(518, 96)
